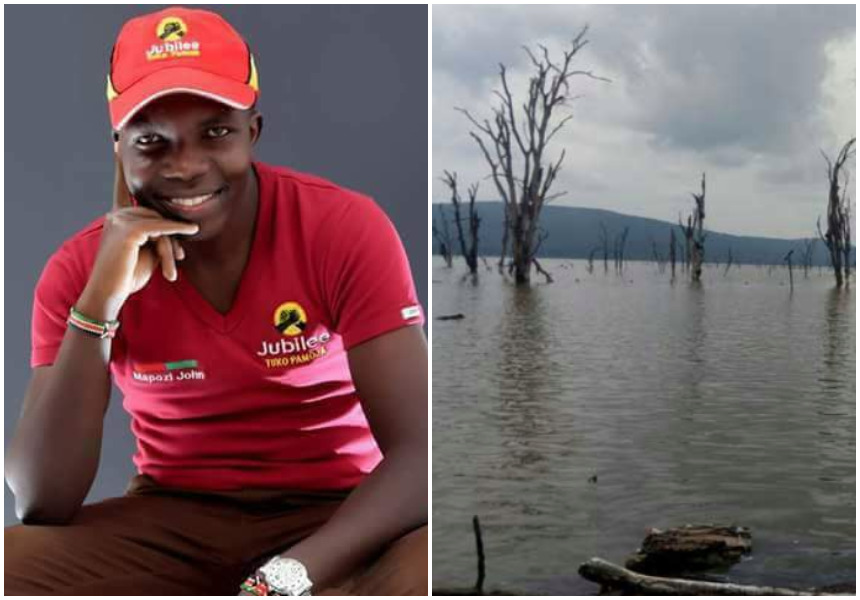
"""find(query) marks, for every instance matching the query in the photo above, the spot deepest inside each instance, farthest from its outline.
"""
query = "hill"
(574, 232)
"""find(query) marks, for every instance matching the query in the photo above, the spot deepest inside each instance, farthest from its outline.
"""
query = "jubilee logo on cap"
(172, 30)
(179, 50)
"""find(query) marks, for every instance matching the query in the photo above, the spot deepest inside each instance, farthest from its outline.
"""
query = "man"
(264, 330)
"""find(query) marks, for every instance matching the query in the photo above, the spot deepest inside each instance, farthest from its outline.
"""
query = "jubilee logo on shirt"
(293, 348)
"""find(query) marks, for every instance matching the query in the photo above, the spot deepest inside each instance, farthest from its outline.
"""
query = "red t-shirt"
(260, 397)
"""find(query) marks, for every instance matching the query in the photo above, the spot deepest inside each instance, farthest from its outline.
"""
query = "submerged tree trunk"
(729, 261)
(661, 263)
(672, 250)
(808, 253)
(695, 236)
(787, 259)
(604, 240)
(521, 261)
(620, 242)
(443, 236)
(468, 243)
(506, 229)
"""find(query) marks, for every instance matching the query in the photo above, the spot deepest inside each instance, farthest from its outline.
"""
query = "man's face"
(189, 158)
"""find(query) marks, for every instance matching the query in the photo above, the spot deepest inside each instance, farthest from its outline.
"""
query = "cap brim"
(179, 80)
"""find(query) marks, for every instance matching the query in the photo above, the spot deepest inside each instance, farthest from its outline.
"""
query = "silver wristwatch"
(286, 577)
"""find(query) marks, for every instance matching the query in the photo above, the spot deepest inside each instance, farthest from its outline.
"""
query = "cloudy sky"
(748, 94)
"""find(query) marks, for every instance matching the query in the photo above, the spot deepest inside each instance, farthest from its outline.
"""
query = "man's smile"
(187, 203)
(190, 204)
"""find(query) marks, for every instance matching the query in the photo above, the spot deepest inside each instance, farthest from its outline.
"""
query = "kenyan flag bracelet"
(255, 586)
(99, 329)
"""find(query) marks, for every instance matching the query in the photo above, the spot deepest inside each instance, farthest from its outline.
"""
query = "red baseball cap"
(179, 50)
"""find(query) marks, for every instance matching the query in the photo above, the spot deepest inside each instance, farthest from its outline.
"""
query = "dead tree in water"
(618, 249)
(672, 250)
(468, 244)
(604, 240)
(695, 236)
(478, 588)
(685, 255)
(479, 544)
(591, 260)
(729, 261)
(838, 235)
(443, 237)
(661, 262)
(808, 253)
(515, 146)
(787, 260)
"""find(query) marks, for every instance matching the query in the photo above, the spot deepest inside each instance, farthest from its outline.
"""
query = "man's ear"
(256, 124)
(116, 142)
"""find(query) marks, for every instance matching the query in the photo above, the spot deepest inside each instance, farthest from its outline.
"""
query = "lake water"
(731, 402)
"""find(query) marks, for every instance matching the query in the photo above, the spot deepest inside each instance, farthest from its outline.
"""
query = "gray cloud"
(747, 93)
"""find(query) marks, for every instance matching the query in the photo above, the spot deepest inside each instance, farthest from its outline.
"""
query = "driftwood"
(679, 550)
(615, 577)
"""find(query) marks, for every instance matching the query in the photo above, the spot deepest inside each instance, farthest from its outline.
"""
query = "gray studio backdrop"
(343, 96)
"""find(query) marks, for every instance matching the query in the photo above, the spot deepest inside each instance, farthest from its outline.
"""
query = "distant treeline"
(575, 232)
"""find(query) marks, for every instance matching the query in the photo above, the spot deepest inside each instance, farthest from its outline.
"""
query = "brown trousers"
(162, 541)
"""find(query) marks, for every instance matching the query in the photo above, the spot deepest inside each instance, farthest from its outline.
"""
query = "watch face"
(286, 576)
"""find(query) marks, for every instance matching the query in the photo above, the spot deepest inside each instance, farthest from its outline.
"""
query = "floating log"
(679, 550)
(614, 577)
(451, 317)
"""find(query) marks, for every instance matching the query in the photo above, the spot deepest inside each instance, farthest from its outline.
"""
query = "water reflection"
(522, 377)
(692, 361)
(837, 330)
(836, 433)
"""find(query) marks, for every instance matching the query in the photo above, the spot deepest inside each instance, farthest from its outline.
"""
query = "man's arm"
(390, 375)
(52, 459)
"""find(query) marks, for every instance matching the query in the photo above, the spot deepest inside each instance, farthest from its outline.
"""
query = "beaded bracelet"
(99, 329)
(255, 587)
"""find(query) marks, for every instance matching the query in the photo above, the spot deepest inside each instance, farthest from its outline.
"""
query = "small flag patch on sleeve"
(410, 312)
